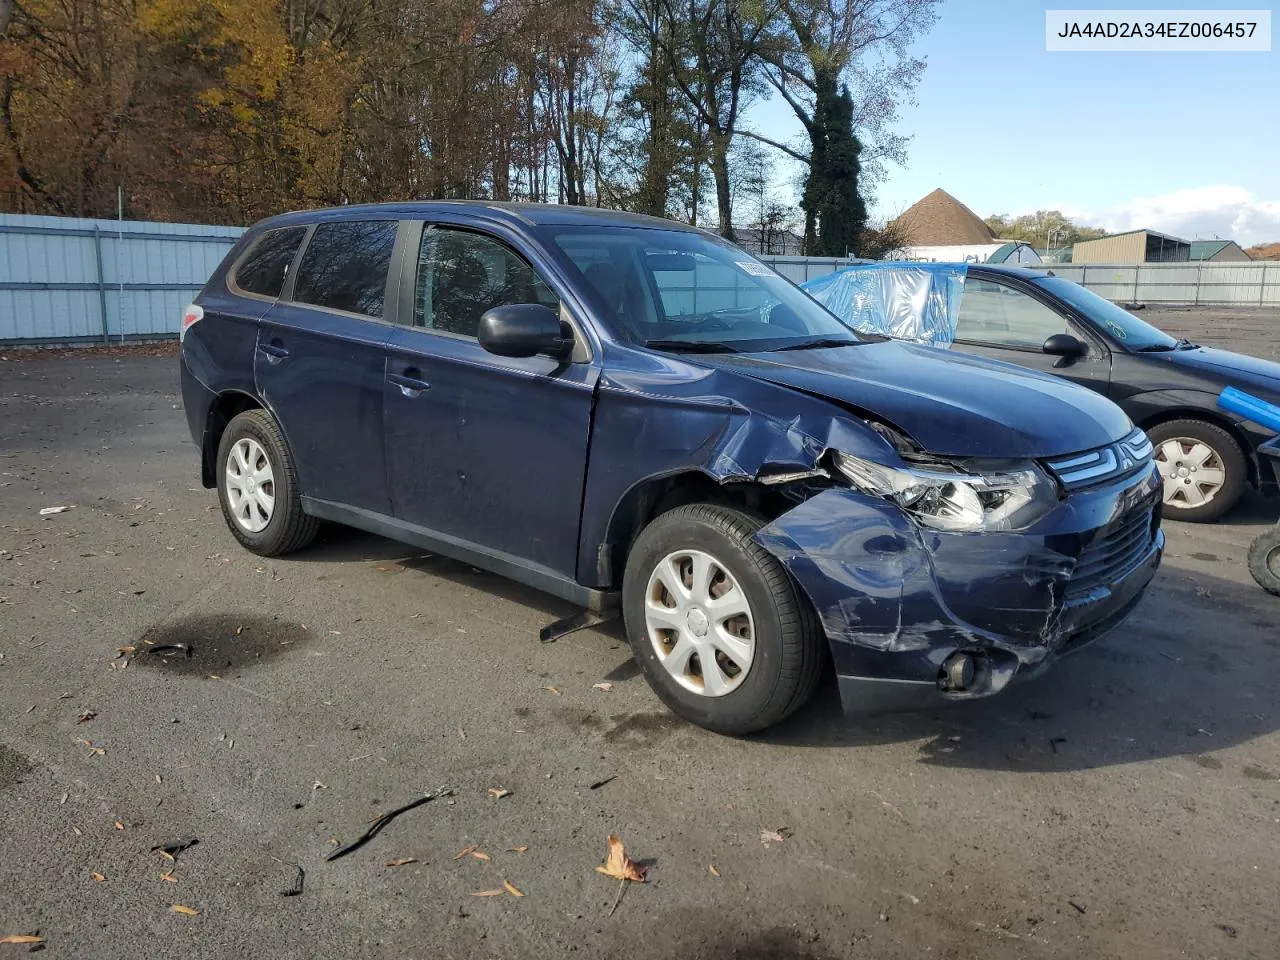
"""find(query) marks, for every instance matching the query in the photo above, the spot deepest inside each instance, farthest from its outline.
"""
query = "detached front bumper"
(897, 601)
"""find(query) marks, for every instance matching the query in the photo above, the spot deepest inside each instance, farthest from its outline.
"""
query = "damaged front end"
(914, 612)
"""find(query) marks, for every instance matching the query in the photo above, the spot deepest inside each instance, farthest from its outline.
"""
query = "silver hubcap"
(251, 486)
(699, 623)
(1193, 472)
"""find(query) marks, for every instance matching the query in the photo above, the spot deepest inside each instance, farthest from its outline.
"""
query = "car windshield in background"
(1135, 334)
(681, 291)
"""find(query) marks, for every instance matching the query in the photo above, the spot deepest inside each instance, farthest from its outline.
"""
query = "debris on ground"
(20, 938)
(775, 836)
(517, 849)
(711, 869)
(94, 751)
(554, 690)
(488, 893)
(377, 825)
(466, 851)
(298, 880)
(621, 868)
(512, 889)
(1079, 907)
(480, 855)
(184, 910)
(50, 511)
(97, 877)
(401, 861)
(600, 783)
(171, 849)
(497, 793)
(86, 716)
(605, 686)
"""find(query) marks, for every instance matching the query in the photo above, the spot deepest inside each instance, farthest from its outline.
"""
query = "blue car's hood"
(1243, 371)
(950, 403)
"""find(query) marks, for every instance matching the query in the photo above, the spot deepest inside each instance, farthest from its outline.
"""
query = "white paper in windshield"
(753, 268)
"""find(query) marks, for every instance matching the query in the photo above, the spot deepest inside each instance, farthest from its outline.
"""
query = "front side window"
(264, 269)
(345, 266)
(462, 274)
(681, 290)
(997, 314)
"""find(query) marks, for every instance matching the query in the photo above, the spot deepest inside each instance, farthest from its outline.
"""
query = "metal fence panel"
(64, 279)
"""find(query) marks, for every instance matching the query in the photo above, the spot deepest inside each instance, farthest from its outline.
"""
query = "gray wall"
(70, 280)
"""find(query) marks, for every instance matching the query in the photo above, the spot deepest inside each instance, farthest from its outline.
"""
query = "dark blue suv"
(622, 410)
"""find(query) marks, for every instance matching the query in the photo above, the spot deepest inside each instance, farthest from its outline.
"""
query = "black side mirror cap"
(1066, 346)
(524, 330)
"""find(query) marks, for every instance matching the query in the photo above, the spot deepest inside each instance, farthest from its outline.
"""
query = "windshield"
(677, 290)
(1135, 334)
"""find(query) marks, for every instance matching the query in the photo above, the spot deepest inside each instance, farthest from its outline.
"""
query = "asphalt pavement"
(159, 685)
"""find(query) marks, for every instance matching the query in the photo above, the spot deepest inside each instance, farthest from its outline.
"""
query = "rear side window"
(264, 269)
(345, 266)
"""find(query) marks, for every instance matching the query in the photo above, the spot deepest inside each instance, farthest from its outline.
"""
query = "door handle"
(410, 382)
(273, 351)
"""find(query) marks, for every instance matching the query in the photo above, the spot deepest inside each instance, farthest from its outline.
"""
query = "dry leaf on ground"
(124, 651)
(184, 910)
(21, 938)
(118, 825)
(480, 855)
(512, 889)
(775, 836)
(517, 849)
(86, 716)
(401, 861)
(499, 792)
(711, 869)
(466, 850)
(606, 687)
(97, 877)
(619, 865)
(168, 877)
(488, 893)
(554, 690)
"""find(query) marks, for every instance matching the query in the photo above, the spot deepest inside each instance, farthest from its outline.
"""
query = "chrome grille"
(1103, 463)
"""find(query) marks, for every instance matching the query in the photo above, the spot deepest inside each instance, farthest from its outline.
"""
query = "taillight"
(193, 313)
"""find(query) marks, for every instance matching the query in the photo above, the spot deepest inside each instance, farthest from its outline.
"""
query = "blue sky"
(1185, 142)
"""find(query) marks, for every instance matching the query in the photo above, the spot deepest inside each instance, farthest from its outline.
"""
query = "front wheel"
(1202, 466)
(1264, 561)
(716, 623)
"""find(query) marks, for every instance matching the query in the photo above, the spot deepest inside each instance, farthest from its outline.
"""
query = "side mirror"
(1066, 346)
(524, 330)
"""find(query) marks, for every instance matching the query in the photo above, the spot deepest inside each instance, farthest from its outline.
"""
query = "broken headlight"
(959, 497)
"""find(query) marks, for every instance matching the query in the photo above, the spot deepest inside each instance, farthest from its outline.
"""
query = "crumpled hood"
(1248, 372)
(950, 403)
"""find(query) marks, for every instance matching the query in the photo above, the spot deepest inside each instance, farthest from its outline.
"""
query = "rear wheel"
(716, 623)
(1202, 466)
(1264, 561)
(258, 487)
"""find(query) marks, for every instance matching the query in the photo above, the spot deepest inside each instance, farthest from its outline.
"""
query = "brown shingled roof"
(941, 220)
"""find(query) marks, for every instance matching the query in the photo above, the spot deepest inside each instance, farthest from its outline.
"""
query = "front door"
(487, 450)
(321, 360)
(1001, 321)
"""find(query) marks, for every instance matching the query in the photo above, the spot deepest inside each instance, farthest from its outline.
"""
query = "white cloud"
(1196, 213)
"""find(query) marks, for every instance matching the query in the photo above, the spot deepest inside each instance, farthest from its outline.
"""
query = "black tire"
(288, 528)
(1264, 560)
(1229, 455)
(789, 650)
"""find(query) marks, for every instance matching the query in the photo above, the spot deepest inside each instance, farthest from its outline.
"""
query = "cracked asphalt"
(1127, 804)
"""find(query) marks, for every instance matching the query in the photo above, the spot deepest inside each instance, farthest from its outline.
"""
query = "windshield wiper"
(819, 344)
(1185, 344)
(691, 346)
(1156, 348)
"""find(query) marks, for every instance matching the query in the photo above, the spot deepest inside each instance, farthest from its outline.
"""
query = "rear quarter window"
(264, 269)
(345, 266)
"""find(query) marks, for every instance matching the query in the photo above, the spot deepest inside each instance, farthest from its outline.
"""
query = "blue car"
(627, 412)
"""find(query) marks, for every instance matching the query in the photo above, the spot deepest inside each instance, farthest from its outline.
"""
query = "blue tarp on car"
(906, 301)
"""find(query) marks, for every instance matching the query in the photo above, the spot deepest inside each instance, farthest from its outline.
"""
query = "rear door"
(321, 360)
(487, 450)
(1003, 321)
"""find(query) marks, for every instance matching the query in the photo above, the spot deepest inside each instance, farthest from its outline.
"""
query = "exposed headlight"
(957, 497)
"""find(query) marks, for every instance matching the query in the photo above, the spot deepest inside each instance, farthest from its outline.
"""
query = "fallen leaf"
(402, 861)
(168, 877)
(124, 651)
(28, 938)
(167, 855)
(97, 877)
(619, 865)
(466, 850)
(50, 511)
(711, 869)
(488, 893)
(517, 849)
(512, 889)
(775, 836)
(239, 630)
(86, 716)
(480, 855)
(119, 825)
(606, 687)
(552, 690)
(499, 792)
(184, 910)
